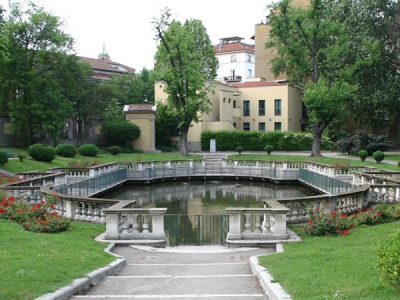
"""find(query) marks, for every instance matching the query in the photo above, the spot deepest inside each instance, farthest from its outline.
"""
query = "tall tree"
(185, 60)
(30, 91)
(311, 48)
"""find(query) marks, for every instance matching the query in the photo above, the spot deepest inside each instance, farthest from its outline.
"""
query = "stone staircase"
(214, 159)
(168, 275)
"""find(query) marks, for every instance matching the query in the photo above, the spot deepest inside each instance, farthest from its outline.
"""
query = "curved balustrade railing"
(134, 223)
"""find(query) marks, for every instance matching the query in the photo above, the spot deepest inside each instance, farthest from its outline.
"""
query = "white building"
(236, 60)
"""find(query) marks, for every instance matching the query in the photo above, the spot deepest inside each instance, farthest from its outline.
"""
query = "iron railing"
(328, 184)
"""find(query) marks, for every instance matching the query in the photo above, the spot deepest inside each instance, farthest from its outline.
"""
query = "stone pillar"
(279, 227)
(112, 226)
(70, 209)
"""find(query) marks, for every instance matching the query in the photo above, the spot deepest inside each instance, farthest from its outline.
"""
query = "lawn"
(33, 264)
(333, 267)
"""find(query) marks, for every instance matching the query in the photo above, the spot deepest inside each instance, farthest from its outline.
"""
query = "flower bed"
(334, 224)
(39, 217)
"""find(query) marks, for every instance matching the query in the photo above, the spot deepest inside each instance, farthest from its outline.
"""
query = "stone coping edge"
(81, 285)
(273, 289)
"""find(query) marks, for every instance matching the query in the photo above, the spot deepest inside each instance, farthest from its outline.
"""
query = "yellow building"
(255, 105)
(262, 55)
(143, 115)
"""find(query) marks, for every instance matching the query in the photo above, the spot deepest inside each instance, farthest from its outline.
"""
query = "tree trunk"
(183, 141)
(393, 130)
(317, 138)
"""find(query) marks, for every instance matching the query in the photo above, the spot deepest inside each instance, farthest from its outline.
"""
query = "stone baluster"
(145, 225)
(102, 215)
(247, 223)
(96, 213)
(124, 224)
(135, 224)
(266, 224)
(257, 223)
(89, 211)
(84, 211)
(78, 212)
(380, 194)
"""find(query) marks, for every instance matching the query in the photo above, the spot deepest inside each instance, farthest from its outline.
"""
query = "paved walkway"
(185, 272)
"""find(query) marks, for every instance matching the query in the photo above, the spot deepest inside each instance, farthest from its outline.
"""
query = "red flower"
(334, 213)
(11, 198)
(2, 210)
(379, 213)
(345, 232)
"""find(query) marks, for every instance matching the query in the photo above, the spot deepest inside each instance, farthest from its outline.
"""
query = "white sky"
(125, 25)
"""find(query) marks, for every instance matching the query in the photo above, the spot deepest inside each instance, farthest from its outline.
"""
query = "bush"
(121, 132)
(239, 149)
(66, 150)
(42, 152)
(21, 157)
(269, 148)
(3, 157)
(363, 154)
(114, 150)
(389, 260)
(362, 140)
(378, 156)
(88, 150)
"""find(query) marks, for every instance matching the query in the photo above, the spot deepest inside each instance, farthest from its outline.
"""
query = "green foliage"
(269, 148)
(166, 124)
(21, 157)
(121, 132)
(88, 150)
(42, 152)
(185, 60)
(114, 150)
(378, 156)
(364, 141)
(3, 158)
(389, 260)
(363, 154)
(66, 150)
(239, 149)
(254, 140)
(34, 86)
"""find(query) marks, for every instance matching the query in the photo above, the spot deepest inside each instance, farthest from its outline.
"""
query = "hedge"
(257, 140)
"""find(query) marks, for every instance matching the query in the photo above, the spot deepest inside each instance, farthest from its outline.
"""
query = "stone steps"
(163, 275)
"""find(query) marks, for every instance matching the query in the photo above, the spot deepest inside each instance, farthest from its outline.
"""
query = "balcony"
(233, 78)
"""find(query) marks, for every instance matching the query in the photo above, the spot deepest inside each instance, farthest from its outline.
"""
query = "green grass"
(333, 268)
(33, 264)
(29, 164)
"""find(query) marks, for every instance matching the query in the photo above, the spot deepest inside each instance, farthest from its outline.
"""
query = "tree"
(185, 60)
(30, 91)
(166, 123)
(311, 48)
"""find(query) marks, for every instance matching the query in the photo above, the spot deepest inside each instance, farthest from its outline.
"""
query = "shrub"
(66, 150)
(42, 152)
(362, 140)
(269, 148)
(21, 157)
(363, 154)
(389, 260)
(239, 149)
(3, 157)
(88, 150)
(325, 224)
(121, 132)
(114, 150)
(378, 156)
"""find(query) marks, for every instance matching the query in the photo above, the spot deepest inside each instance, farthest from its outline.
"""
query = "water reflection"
(206, 197)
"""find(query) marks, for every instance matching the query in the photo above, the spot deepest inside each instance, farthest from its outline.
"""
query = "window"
(261, 107)
(246, 126)
(278, 107)
(261, 126)
(249, 58)
(233, 73)
(249, 73)
(234, 124)
(278, 126)
(233, 57)
(234, 103)
(246, 108)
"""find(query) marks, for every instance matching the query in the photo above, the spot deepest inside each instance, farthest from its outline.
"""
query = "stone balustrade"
(138, 225)
(257, 224)
(88, 171)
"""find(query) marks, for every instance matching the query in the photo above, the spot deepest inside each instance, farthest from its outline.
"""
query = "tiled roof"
(234, 47)
(141, 107)
(107, 65)
(256, 84)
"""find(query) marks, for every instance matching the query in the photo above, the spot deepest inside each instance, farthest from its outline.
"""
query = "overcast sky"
(125, 25)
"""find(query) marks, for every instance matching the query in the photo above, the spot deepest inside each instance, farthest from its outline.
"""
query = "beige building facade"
(257, 105)
(143, 115)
